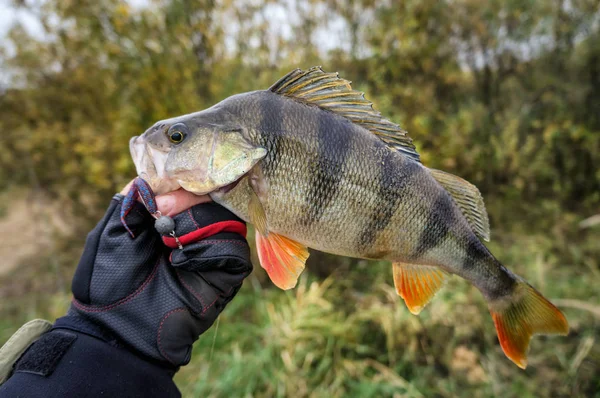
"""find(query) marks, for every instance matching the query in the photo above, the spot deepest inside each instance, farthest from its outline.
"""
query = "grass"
(349, 334)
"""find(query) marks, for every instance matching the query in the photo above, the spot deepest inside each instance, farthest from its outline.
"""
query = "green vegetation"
(503, 93)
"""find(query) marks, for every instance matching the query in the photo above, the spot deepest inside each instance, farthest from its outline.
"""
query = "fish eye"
(177, 133)
(176, 136)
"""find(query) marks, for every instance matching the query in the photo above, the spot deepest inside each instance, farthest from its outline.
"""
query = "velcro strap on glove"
(18, 344)
(203, 221)
(203, 233)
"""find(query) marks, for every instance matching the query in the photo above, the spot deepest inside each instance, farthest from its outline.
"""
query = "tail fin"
(522, 315)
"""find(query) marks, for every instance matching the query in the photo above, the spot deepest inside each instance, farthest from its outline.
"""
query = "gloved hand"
(148, 294)
(139, 304)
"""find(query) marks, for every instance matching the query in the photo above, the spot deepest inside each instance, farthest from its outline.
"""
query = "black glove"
(154, 299)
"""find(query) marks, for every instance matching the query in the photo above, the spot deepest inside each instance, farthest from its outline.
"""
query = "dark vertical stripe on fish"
(477, 255)
(437, 225)
(270, 127)
(392, 189)
(327, 171)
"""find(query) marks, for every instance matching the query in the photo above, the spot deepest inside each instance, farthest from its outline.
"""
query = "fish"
(311, 164)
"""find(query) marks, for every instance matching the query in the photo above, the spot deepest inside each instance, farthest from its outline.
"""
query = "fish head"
(197, 155)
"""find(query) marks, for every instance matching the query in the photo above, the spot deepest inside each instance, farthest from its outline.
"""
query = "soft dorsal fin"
(330, 92)
(469, 199)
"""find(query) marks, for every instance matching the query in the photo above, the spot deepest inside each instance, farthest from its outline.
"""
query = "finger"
(127, 187)
(177, 201)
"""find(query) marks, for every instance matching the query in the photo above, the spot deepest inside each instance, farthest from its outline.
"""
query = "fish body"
(334, 186)
(310, 164)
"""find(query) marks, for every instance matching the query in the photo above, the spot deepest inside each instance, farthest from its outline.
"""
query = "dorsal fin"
(330, 92)
(469, 199)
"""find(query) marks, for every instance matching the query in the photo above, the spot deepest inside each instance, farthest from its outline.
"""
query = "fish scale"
(310, 163)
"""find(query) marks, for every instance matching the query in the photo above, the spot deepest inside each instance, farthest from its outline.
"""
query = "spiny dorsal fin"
(469, 199)
(330, 92)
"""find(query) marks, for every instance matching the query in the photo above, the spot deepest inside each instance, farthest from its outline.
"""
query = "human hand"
(148, 294)
(174, 202)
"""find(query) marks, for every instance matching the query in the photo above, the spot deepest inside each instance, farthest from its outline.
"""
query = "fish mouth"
(150, 165)
(229, 187)
(205, 187)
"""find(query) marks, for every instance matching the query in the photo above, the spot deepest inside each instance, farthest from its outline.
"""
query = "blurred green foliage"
(503, 93)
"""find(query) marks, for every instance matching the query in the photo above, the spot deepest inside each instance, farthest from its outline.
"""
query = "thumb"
(175, 202)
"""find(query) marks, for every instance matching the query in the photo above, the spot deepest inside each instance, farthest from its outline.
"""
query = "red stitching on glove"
(124, 300)
(180, 309)
(235, 242)
(188, 287)
(160, 348)
(223, 295)
(189, 211)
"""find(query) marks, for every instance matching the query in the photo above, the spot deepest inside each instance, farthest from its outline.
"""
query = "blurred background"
(505, 94)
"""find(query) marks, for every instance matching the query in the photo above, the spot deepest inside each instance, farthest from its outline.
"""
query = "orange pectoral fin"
(417, 284)
(282, 258)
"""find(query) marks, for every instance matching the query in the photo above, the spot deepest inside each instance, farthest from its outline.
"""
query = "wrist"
(67, 362)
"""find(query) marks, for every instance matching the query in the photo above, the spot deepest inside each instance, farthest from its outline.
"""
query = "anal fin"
(417, 284)
(282, 258)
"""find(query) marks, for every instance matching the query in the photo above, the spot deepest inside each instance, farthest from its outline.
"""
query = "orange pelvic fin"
(417, 284)
(520, 316)
(282, 258)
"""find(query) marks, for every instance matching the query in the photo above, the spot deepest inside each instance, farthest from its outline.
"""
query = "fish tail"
(522, 314)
